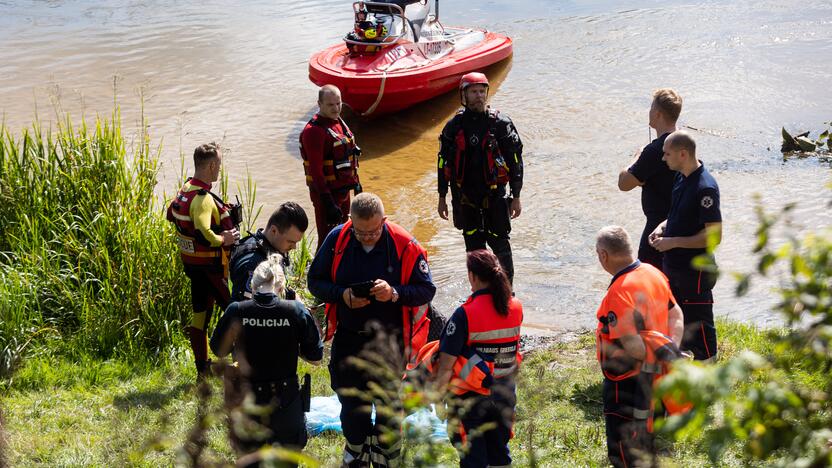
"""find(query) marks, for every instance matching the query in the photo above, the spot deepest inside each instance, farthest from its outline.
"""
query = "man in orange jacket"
(637, 299)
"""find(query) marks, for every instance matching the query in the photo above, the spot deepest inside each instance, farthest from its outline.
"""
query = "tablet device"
(362, 289)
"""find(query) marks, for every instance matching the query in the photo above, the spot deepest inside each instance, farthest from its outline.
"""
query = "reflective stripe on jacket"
(471, 373)
(494, 335)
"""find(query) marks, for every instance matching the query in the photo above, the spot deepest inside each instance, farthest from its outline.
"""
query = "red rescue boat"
(398, 56)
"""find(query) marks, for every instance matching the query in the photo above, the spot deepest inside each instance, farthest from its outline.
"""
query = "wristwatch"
(395, 295)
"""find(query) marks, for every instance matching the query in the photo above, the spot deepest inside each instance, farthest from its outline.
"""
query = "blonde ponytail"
(268, 277)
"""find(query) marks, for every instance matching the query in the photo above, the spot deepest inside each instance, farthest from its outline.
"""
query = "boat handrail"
(390, 39)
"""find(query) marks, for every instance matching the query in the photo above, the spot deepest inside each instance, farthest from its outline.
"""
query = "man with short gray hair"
(638, 303)
(373, 275)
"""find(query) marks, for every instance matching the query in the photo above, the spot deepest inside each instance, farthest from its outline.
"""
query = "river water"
(578, 89)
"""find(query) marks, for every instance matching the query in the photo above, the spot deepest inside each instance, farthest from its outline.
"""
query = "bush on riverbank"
(774, 402)
(87, 265)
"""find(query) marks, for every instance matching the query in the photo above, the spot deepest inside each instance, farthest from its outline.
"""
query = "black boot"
(203, 370)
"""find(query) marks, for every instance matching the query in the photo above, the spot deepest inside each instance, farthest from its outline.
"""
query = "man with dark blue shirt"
(283, 231)
(393, 301)
(650, 172)
(694, 223)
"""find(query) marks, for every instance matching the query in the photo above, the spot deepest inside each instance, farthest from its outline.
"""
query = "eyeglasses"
(369, 234)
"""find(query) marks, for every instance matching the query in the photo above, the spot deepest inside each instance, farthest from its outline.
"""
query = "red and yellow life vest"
(492, 334)
(340, 163)
(471, 373)
(414, 318)
(193, 247)
(495, 169)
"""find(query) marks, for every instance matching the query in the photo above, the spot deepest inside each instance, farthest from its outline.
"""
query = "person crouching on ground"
(267, 334)
(489, 322)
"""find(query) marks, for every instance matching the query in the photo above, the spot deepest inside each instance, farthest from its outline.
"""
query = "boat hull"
(370, 88)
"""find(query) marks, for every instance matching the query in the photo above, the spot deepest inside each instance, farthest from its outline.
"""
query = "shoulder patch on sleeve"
(423, 266)
(707, 201)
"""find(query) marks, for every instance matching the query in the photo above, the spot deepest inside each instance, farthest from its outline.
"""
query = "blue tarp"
(324, 415)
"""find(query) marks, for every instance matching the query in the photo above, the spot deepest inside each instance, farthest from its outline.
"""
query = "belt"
(269, 389)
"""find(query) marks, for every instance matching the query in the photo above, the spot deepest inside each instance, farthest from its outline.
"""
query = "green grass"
(96, 412)
(87, 265)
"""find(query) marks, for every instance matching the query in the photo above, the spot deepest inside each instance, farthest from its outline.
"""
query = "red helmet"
(471, 79)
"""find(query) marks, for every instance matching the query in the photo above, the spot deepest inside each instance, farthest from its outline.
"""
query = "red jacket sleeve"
(314, 142)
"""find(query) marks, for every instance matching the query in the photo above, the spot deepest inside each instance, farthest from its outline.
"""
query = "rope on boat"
(380, 95)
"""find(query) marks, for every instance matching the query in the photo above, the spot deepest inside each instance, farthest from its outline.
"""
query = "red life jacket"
(340, 163)
(414, 319)
(471, 373)
(492, 334)
(495, 169)
(193, 247)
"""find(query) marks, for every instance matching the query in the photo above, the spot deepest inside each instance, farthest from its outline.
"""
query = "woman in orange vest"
(489, 323)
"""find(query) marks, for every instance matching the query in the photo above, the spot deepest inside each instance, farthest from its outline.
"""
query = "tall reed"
(86, 257)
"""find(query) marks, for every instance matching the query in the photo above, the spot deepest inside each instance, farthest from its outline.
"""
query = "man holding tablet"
(374, 277)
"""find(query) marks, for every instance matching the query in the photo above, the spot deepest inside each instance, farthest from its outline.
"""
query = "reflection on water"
(578, 89)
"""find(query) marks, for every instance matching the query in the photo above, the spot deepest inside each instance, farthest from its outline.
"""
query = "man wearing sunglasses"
(374, 277)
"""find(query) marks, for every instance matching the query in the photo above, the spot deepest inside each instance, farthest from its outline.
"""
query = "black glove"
(358, 189)
(333, 213)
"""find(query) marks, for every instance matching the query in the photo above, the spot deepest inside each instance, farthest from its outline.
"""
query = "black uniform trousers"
(360, 387)
(486, 222)
(485, 427)
(626, 411)
(646, 252)
(693, 291)
(278, 419)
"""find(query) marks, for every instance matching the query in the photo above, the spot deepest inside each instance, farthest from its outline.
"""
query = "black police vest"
(241, 266)
(269, 338)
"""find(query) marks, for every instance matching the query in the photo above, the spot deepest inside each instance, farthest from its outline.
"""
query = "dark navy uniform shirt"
(454, 340)
(454, 336)
(268, 334)
(657, 178)
(357, 266)
(695, 202)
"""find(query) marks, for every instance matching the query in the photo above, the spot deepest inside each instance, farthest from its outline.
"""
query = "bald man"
(330, 162)
(694, 220)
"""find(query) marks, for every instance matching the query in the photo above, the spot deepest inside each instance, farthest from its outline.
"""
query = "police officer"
(651, 173)
(283, 231)
(205, 231)
(489, 324)
(480, 153)
(638, 300)
(374, 276)
(694, 222)
(266, 335)
(330, 162)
